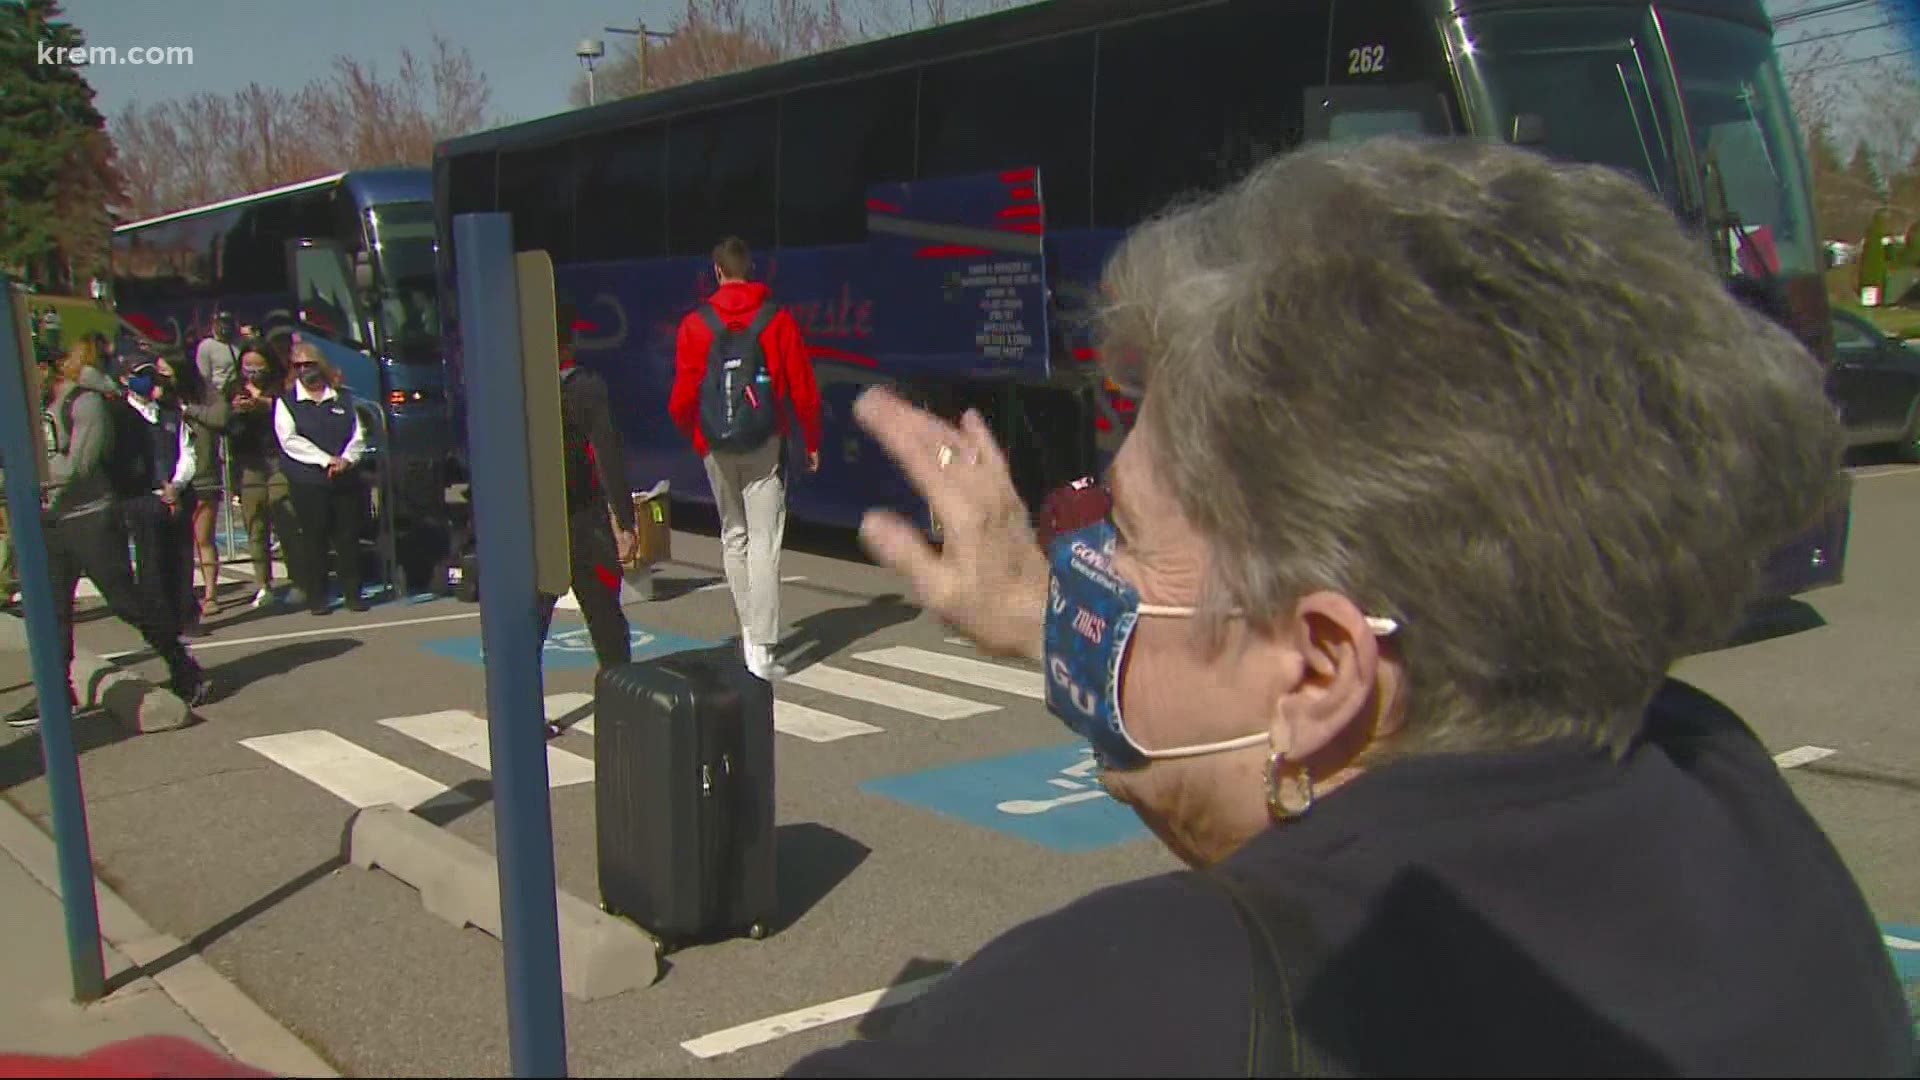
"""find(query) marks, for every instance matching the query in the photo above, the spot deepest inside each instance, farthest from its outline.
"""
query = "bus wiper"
(1762, 287)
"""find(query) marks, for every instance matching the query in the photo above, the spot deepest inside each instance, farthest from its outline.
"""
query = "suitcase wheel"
(757, 931)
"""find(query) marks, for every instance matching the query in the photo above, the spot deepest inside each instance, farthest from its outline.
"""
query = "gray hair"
(1505, 401)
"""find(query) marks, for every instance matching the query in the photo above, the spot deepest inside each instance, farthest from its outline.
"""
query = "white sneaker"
(262, 598)
(760, 663)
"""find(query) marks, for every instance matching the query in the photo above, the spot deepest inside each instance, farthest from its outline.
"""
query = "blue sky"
(526, 48)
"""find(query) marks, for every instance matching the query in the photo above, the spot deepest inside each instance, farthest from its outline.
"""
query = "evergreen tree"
(56, 164)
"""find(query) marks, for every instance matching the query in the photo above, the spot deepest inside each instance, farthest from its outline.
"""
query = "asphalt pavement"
(926, 802)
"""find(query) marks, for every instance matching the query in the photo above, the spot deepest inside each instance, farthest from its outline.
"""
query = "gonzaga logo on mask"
(1090, 625)
(1062, 686)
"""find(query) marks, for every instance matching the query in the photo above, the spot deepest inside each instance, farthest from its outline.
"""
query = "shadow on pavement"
(205, 939)
(817, 637)
(21, 760)
(234, 674)
(811, 860)
(828, 542)
(1778, 619)
(884, 1014)
(673, 588)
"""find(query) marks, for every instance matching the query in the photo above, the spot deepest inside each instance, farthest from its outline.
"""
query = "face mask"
(1090, 619)
(142, 384)
(312, 378)
(256, 376)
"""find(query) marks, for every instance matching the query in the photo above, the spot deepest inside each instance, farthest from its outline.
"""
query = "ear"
(1326, 702)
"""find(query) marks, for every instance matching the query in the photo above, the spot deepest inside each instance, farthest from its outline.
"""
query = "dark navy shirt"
(1550, 911)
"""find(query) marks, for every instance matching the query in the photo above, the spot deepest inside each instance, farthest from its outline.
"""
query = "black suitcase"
(683, 763)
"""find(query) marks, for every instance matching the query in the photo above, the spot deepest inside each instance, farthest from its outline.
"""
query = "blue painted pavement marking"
(571, 646)
(1903, 945)
(1049, 797)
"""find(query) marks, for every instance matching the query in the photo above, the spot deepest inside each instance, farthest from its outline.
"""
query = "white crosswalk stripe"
(851, 684)
(959, 669)
(364, 778)
(461, 734)
(357, 775)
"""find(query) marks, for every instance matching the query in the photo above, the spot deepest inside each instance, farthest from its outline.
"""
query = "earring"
(1302, 782)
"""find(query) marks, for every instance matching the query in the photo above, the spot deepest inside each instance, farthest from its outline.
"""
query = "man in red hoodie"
(739, 366)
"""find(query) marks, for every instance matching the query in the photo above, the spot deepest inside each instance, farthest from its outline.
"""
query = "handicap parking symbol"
(1051, 797)
(571, 647)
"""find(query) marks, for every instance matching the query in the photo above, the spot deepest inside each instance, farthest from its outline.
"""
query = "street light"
(590, 50)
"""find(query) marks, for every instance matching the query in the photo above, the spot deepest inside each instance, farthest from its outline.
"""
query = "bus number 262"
(1367, 60)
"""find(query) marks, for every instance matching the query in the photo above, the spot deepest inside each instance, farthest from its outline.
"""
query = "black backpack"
(129, 464)
(737, 410)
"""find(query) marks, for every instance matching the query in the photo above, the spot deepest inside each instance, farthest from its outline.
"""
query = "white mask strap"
(1202, 750)
(1380, 627)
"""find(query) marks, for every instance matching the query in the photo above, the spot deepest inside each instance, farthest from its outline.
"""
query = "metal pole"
(592, 98)
(641, 52)
(50, 676)
(502, 499)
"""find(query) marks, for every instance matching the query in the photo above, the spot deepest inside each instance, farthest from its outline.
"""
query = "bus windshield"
(408, 308)
(1592, 84)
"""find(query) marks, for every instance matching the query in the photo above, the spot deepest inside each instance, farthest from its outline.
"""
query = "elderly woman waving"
(1446, 454)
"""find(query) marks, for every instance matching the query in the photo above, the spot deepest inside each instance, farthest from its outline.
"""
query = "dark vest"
(164, 431)
(326, 424)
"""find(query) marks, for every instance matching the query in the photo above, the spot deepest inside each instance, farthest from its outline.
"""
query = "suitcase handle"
(706, 774)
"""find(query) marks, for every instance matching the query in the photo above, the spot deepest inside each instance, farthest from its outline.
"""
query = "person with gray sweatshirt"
(97, 457)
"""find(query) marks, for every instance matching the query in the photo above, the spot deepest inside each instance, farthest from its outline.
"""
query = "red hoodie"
(787, 363)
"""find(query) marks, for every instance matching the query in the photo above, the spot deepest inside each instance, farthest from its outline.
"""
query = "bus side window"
(1169, 124)
(620, 205)
(720, 177)
(835, 142)
(1031, 104)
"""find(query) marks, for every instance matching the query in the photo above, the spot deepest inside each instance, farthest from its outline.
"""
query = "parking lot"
(926, 802)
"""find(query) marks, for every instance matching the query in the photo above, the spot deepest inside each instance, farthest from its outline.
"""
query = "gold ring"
(945, 457)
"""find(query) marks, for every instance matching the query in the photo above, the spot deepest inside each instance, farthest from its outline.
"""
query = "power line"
(1843, 33)
(1819, 10)
(1857, 60)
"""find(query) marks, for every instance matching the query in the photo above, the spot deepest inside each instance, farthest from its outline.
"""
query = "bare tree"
(716, 37)
(207, 147)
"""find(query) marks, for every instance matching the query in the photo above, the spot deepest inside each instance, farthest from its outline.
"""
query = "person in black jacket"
(597, 506)
(161, 520)
(321, 443)
(1445, 457)
(99, 458)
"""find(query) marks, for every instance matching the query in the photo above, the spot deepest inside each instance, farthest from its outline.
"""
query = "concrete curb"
(140, 706)
(600, 955)
(234, 1020)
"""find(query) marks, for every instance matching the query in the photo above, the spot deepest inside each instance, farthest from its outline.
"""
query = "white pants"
(751, 494)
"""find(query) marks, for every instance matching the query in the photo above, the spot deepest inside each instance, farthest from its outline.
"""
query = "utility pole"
(640, 35)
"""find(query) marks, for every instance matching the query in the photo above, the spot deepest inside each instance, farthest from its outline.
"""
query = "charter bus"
(347, 262)
(935, 208)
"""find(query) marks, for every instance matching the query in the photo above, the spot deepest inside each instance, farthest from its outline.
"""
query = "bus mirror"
(1529, 129)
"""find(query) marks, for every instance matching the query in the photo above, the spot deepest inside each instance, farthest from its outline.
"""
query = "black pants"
(590, 538)
(163, 554)
(331, 516)
(94, 546)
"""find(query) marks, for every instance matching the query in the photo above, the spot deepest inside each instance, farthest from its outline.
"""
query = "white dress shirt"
(183, 469)
(302, 449)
